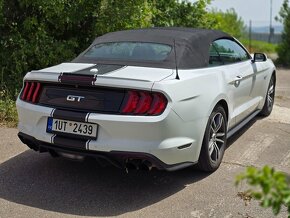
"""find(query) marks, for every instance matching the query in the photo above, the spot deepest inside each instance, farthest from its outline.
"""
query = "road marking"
(276, 115)
(256, 147)
(196, 214)
(286, 160)
(282, 88)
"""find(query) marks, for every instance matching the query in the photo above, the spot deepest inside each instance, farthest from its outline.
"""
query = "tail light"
(31, 92)
(144, 103)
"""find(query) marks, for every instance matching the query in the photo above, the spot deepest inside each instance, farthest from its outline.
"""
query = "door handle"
(238, 80)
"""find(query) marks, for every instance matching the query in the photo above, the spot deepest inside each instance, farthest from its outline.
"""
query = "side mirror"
(259, 57)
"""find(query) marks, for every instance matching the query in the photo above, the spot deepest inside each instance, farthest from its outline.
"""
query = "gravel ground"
(35, 185)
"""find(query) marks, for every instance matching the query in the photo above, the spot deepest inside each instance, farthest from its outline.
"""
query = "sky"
(256, 10)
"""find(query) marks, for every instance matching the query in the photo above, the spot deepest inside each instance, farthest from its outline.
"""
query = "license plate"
(72, 127)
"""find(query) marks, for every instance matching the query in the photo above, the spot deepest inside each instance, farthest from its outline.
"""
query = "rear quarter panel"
(193, 98)
(196, 93)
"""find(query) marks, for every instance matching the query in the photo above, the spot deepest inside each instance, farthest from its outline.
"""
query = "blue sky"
(256, 10)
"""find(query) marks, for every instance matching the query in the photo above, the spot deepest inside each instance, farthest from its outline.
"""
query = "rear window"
(129, 51)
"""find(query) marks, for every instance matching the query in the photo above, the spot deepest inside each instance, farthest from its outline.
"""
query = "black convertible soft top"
(191, 46)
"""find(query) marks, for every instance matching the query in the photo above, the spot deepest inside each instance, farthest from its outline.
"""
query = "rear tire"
(214, 141)
(269, 100)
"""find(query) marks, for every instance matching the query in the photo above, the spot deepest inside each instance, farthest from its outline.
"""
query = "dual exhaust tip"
(130, 164)
(136, 164)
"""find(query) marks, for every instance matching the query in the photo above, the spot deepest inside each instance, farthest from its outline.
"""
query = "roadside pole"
(250, 36)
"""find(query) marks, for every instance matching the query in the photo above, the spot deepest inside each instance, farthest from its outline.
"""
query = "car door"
(239, 76)
(262, 74)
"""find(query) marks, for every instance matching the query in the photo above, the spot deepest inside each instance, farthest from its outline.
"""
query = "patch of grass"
(260, 46)
(8, 113)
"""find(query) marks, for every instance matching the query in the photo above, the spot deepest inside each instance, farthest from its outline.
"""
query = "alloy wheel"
(216, 137)
(270, 94)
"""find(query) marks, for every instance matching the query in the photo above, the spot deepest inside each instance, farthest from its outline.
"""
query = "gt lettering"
(74, 98)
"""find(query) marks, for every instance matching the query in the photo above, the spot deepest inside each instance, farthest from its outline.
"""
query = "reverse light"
(31, 92)
(144, 103)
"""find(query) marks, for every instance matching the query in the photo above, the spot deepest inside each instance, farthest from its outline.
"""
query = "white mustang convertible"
(160, 97)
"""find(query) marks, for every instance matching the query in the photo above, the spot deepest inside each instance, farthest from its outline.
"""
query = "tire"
(214, 141)
(270, 97)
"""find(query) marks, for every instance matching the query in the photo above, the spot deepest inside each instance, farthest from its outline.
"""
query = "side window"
(214, 57)
(230, 52)
(243, 54)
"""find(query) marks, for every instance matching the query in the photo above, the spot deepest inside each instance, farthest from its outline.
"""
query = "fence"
(275, 38)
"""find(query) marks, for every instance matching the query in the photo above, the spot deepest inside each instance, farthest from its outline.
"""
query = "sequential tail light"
(144, 103)
(132, 102)
(158, 104)
(36, 93)
(31, 92)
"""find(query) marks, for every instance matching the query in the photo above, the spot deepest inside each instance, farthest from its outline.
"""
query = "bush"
(270, 187)
(37, 34)
(8, 113)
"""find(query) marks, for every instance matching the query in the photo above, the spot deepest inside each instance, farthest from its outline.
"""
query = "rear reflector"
(144, 103)
(31, 92)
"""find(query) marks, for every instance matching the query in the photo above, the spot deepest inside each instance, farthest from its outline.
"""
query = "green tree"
(36, 34)
(117, 15)
(284, 48)
(1, 13)
(229, 22)
(181, 13)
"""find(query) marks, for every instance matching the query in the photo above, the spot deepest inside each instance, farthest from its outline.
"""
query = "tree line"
(283, 49)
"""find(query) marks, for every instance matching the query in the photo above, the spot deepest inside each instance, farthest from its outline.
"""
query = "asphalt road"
(35, 185)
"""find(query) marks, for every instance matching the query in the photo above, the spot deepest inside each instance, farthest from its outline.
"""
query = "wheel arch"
(274, 74)
(224, 104)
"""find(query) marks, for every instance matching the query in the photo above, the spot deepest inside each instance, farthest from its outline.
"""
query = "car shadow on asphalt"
(84, 188)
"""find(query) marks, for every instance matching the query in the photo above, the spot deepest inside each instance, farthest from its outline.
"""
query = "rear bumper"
(116, 158)
(165, 138)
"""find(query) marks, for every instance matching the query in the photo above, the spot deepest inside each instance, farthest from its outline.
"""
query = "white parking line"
(286, 160)
(276, 115)
(256, 147)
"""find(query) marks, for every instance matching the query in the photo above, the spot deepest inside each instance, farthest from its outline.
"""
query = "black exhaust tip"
(130, 166)
(146, 166)
(136, 164)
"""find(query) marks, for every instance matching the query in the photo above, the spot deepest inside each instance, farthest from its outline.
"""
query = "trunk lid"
(90, 87)
(106, 75)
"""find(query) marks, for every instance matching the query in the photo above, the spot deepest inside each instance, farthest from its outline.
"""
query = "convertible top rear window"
(170, 47)
(129, 51)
